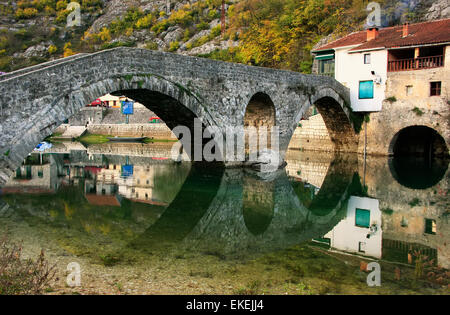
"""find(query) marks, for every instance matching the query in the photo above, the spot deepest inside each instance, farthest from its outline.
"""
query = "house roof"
(432, 32)
(102, 200)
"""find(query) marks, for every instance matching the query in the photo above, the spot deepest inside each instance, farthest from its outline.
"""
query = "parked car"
(97, 102)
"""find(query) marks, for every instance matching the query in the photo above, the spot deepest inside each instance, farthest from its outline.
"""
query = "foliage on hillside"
(271, 33)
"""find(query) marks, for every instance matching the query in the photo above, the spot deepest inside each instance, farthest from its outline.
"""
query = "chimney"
(405, 29)
(372, 33)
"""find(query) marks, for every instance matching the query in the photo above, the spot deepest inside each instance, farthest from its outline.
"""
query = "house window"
(326, 67)
(366, 89)
(409, 89)
(362, 247)
(367, 59)
(362, 218)
(430, 226)
(435, 88)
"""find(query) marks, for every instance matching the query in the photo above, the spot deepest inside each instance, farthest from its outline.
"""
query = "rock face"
(439, 10)
(176, 88)
(114, 9)
(40, 50)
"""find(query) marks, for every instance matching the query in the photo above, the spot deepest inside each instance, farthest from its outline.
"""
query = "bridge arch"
(175, 104)
(336, 114)
(260, 113)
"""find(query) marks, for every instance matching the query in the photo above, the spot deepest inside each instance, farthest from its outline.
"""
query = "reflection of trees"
(183, 214)
(168, 179)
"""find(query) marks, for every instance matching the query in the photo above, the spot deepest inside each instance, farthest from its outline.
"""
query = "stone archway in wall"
(330, 130)
(419, 157)
(418, 141)
(173, 103)
(260, 114)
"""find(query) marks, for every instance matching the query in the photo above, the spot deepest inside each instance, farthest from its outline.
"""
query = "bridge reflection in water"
(138, 200)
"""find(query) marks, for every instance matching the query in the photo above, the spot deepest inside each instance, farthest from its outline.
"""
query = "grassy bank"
(99, 139)
(93, 139)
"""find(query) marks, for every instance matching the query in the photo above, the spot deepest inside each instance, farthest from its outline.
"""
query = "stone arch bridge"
(36, 100)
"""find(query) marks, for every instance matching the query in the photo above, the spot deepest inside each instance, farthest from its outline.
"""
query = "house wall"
(350, 70)
(411, 206)
(409, 110)
(346, 235)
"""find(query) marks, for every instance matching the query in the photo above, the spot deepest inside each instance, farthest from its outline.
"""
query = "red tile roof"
(102, 200)
(432, 32)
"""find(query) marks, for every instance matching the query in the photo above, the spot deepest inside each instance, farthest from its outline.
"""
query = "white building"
(363, 61)
(360, 232)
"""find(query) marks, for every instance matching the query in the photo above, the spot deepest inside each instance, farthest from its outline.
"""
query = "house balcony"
(419, 63)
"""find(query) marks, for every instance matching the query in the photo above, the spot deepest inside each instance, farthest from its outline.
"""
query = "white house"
(363, 61)
(360, 232)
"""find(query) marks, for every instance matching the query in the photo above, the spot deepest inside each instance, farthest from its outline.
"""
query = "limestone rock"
(173, 35)
(438, 10)
(40, 50)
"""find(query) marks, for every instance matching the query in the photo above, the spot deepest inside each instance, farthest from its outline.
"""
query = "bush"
(215, 31)
(22, 276)
(202, 26)
(174, 46)
(52, 49)
(26, 13)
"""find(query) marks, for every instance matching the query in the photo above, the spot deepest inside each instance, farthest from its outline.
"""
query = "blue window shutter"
(365, 89)
(362, 218)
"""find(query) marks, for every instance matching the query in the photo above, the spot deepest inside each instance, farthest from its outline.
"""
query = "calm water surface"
(139, 223)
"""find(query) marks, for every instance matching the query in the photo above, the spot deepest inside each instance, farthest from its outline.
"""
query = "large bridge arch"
(179, 107)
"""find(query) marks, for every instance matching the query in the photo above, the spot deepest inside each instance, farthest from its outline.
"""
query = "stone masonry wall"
(417, 108)
(312, 135)
(156, 131)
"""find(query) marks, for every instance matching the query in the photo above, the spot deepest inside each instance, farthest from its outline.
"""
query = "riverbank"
(157, 131)
(298, 270)
(90, 138)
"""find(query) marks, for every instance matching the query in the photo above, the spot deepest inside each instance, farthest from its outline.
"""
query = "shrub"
(144, 22)
(52, 49)
(202, 26)
(22, 276)
(68, 50)
(26, 13)
(417, 111)
(151, 46)
(61, 5)
(215, 31)
(391, 99)
(174, 46)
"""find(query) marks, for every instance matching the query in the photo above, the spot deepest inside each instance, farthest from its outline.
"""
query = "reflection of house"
(140, 186)
(420, 228)
(38, 174)
(103, 200)
(360, 232)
